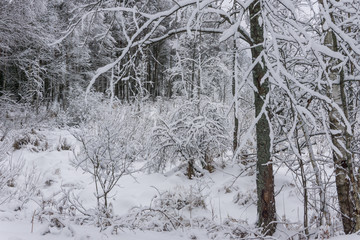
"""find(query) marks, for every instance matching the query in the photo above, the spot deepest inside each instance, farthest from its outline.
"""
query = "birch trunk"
(346, 183)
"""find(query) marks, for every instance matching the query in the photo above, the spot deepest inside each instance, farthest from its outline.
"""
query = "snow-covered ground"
(48, 175)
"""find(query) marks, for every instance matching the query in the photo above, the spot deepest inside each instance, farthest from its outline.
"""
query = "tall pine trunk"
(264, 178)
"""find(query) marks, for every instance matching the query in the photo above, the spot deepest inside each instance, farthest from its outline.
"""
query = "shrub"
(193, 133)
(165, 212)
(84, 108)
(9, 172)
(64, 145)
(108, 151)
(32, 140)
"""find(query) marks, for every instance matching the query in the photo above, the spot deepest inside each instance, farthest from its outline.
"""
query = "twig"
(32, 222)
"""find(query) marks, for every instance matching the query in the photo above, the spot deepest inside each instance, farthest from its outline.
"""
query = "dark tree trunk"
(265, 179)
(148, 76)
(156, 74)
(233, 89)
(2, 82)
(169, 82)
(190, 171)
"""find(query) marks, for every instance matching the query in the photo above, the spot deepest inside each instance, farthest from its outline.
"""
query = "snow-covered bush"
(245, 198)
(16, 115)
(32, 140)
(64, 144)
(18, 183)
(9, 171)
(179, 199)
(167, 211)
(108, 151)
(53, 211)
(194, 133)
(13, 115)
(83, 107)
(233, 229)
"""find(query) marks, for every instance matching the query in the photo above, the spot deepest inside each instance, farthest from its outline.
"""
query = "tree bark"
(346, 183)
(192, 83)
(265, 180)
(2, 82)
(234, 89)
(342, 162)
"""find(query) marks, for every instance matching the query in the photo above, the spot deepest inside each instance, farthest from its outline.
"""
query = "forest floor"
(209, 202)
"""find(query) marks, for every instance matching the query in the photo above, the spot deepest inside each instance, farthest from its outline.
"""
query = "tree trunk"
(324, 211)
(192, 82)
(304, 183)
(2, 82)
(234, 89)
(155, 76)
(265, 180)
(342, 162)
(190, 171)
(346, 183)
